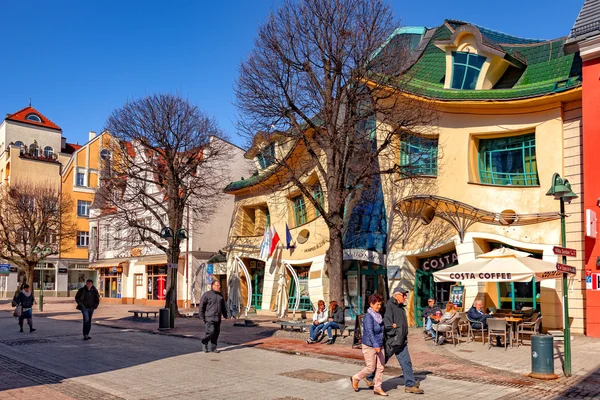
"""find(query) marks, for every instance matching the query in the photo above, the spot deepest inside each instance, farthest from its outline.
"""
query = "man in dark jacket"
(476, 313)
(428, 311)
(212, 306)
(396, 335)
(87, 299)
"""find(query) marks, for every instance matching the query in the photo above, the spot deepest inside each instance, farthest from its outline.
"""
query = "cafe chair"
(463, 323)
(473, 330)
(497, 327)
(531, 318)
(445, 330)
(528, 328)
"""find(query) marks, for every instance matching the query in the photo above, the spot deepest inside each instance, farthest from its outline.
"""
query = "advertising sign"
(595, 281)
(4, 269)
(457, 296)
(588, 282)
(162, 291)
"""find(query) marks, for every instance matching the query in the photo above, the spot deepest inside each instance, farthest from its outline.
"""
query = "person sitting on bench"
(319, 319)
(335, 320)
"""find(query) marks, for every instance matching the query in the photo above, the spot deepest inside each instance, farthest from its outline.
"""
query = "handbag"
(18, 311)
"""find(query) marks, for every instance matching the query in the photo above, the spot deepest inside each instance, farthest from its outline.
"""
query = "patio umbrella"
(282, 295)
(500, 265)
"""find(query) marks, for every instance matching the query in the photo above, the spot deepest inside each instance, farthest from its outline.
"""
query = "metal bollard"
(542, 357)
(164, 319)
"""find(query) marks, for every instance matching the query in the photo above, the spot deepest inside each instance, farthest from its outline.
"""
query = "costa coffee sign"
(442, 261)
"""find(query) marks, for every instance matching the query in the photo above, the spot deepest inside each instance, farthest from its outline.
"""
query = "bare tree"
(171, 159)
(36, 221)
(321, 80)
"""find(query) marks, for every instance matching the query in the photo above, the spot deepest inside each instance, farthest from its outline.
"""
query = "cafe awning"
(500, 265)
(152, 259)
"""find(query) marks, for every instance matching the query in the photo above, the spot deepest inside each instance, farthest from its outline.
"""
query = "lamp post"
(561, 190)
(167, 233)
(43, 251)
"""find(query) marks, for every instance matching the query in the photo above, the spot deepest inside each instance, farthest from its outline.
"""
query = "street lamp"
(180, 234)
(43, 252)
(561, 190)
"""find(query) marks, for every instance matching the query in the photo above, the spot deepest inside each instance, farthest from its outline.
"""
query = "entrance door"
(426, 288)
(258, 278)
(370, 278)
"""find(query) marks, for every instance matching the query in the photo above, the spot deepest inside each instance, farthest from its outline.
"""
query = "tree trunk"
(334, 260)
(171, 298)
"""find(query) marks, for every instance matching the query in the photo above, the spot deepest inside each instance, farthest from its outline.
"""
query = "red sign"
(566, 268)
(595, 281)
(588, 272)
(563, 251)
(161, 287)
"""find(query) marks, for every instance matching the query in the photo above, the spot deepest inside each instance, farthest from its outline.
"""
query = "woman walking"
(372, 346)
(25, 301)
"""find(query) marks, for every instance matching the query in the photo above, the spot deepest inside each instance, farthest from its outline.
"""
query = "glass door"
(424, 289)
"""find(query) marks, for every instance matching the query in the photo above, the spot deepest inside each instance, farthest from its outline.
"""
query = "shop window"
(266, 156)
(45, 276)
(304, 303)
(157, 281)
(418, 156)
(508, 161)
(465, 70)
(78, 274)
(83, 208)
(110, 282)
(83, 239)
(299, 210)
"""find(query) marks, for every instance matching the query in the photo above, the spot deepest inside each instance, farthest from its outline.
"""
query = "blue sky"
(79, 60)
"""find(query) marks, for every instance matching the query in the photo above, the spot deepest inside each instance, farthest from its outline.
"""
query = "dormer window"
(266, 156)
(33, 117)
(465, 70)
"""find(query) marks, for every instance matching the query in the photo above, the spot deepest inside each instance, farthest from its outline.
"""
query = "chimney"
(92, 135)
(63, 143)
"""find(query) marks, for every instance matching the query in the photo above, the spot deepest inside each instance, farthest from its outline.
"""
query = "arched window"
(21, 146)
(34, 150)
(33, 117)
(48, 152)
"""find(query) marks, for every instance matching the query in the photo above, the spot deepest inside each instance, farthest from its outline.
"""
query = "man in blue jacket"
(476, 313)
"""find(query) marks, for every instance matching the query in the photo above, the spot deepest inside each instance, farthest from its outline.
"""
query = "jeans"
(87, 320)
(315, 330)
(26, 314)
(375, 363)
(406, 365)
(429, 326)
(211, 333)
(329, 327)
(482, 320)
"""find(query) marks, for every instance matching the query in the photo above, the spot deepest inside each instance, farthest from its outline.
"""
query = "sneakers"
(205, 347)
(354, 383)
(310, 341)
(380, 392)
(414, 389)
(369, 383)
(441, 340)
(329, 341)
(31, 330)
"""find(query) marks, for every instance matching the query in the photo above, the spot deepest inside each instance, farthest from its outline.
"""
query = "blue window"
(465, 70)
(83, 208)
(299, 210)
(418, 156)
(266, 156)
(80, 179)
(508, 161)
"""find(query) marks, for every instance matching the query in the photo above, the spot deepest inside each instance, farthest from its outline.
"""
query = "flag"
(265, 245)
(274, 242)
(288, 237)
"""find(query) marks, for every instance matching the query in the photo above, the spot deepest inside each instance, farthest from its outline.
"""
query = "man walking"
(87, 299)
(212, 306)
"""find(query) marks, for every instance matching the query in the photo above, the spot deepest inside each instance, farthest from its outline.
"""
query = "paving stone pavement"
(125, 364)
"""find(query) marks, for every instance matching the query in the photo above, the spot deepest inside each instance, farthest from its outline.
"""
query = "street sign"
(566, 268)
(563, 251)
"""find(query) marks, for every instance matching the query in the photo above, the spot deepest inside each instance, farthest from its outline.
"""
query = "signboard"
(438, 262)
(14, 269)
(209, 269)
(4, 269)
(590, 223)
(457, 296)
(595, 281)
(566, 268)
(62, 270)
(588, 282)
(114, 270)
(563, 251)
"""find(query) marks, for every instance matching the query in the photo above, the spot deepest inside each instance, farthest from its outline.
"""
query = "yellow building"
(509, 118)
(80, 180)
(34, 152)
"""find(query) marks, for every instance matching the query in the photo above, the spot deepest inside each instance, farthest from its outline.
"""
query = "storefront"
(256, 269)
(157, 281)
(78, 274)
(361, 280)
(44, 276)
(110, 282)
(303, 273)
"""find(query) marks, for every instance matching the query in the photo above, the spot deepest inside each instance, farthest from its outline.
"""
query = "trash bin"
(163, 319)
(542, 357)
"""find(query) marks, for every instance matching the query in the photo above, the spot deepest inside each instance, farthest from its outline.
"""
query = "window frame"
(37, 119)
(299, 207)
(34, 150)
(266, 156)
(467, 66)
(48, 152)
(85, 237)
(79, 173)
(317, 193)
(22, 147)
(528, 178)
(412, 146)
(80, 205)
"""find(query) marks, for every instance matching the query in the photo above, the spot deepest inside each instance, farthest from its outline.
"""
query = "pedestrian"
(212, 306)
(396, 333)
(372, 346)
(25, 300)
(87, 299)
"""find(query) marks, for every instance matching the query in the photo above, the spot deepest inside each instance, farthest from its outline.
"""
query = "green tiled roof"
(244, 183)
(545, 64)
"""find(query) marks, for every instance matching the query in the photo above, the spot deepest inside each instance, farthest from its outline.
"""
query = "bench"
(292, 325)
(349, 330)
(140, 313)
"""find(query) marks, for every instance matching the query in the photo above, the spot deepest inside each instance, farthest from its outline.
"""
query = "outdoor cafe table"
(513, 327)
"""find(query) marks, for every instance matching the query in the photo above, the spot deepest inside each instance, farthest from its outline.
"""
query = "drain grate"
(313, 375)
(24, 342)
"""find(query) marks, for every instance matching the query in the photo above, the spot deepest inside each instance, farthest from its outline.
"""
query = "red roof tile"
(21, 116)
(71, 148)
